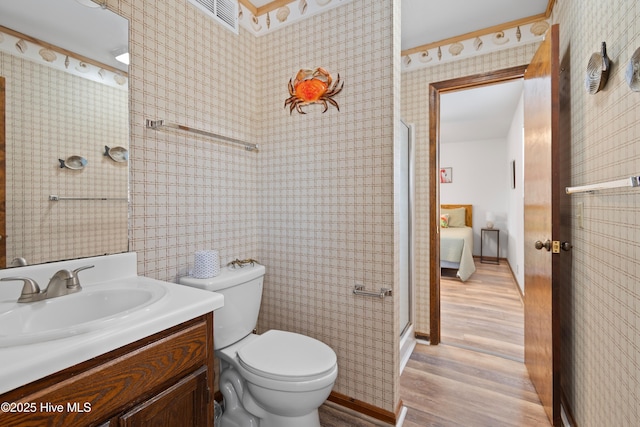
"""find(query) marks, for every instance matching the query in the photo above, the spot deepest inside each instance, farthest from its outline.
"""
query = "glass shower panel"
(403, 184)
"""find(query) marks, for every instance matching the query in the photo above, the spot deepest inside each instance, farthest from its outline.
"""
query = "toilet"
(277, 379)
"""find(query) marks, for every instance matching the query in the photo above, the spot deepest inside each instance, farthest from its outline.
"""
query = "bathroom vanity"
(165, 377)
(151, 364)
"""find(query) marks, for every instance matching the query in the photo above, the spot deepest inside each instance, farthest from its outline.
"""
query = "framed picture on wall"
(446, 175)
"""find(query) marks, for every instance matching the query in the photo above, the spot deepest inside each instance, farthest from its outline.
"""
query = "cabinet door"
(183, 404)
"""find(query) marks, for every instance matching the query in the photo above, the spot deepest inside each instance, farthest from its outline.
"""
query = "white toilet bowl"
(277, 379)
(280, 377)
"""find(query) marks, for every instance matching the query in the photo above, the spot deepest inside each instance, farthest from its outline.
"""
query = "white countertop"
(22, 364)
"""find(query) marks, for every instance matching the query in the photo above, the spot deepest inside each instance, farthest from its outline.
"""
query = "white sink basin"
(90, 309)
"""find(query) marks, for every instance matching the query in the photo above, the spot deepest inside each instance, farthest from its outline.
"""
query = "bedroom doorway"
(543, 120)
(436, 91)
(481, 140)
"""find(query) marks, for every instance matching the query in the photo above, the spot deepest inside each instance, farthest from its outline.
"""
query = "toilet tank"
(242, 291)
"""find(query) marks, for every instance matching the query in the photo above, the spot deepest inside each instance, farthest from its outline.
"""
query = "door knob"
(566, 246)
(547, 245)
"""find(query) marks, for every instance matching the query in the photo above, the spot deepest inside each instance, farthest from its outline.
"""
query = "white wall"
(480, 178)
(515, 224)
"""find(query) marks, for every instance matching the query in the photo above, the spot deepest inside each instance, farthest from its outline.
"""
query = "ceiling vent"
(223, 11)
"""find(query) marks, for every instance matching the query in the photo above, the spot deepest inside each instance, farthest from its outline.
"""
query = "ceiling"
(430, 21)
(42, 18)
(479, 114)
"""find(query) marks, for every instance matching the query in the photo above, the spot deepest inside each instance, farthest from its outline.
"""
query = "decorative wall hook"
(73, 162)
(597, 71)
(117, 154)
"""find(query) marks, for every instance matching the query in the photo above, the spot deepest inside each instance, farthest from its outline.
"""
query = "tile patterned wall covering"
(415, 110)
(51, 114)
(315, 205)
(328, 207)
(188, 192)
(601, 301)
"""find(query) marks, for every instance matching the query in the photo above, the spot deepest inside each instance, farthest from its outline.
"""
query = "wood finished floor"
(477, 379)
(451, 386)
(484, 313)
(332, 416)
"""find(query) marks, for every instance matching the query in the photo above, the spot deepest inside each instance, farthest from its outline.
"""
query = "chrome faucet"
(64, 282)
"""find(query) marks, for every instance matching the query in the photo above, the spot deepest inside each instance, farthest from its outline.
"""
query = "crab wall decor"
(312, 87)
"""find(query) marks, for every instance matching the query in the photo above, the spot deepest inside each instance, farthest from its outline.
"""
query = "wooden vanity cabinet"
(181, 404)
(165, 379)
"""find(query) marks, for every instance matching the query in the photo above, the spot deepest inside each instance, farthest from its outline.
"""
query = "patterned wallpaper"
(188, 192)
(52, 115)
(315, 204)
(327, 216)
(601, 300)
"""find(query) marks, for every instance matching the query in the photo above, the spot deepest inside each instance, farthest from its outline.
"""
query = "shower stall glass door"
(404, 201)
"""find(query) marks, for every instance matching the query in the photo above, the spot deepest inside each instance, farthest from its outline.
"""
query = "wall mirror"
(66, 137)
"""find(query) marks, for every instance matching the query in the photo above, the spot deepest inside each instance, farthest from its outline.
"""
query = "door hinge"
(555, 247)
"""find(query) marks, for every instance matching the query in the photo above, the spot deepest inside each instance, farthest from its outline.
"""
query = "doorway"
(435, 91)
(481, 149)
(542, 118)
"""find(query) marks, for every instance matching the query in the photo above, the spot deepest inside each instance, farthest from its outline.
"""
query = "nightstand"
(490, 259)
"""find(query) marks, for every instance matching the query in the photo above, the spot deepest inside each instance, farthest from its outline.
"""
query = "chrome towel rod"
(632, 181)
(384, 292)
(55, 198)
(159, 124)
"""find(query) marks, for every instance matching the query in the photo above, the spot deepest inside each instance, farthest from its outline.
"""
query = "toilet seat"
(287, 356)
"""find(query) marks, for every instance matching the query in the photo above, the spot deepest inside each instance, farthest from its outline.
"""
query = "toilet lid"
(287, 356)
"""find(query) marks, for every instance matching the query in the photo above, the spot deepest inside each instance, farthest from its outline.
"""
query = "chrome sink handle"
(75, 281)
(30, 289)
(65, 282)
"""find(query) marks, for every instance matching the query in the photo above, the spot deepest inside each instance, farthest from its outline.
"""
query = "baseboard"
(355, 406)
(422, 336)
(366, 408)
(515, 280)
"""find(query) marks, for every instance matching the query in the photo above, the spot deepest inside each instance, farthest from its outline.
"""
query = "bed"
(456, 239)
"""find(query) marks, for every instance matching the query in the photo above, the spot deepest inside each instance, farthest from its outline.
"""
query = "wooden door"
(542, 223)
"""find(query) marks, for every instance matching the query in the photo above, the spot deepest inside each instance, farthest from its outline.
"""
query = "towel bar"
(56, 198)
(384, 292)
(160, 124)
(632, 181)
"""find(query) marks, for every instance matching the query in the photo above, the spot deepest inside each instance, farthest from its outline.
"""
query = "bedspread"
(456, 245)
